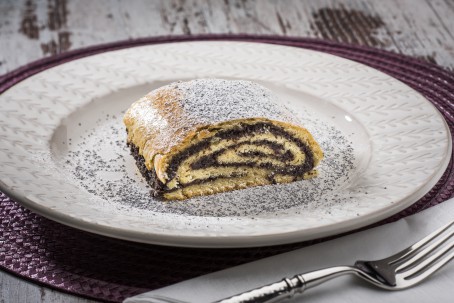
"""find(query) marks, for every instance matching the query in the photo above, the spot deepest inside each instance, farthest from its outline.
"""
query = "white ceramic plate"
(63, 156)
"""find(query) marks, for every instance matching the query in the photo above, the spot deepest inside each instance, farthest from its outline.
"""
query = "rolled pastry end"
(232, 155)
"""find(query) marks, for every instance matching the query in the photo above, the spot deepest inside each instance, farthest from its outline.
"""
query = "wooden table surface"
(31, 29)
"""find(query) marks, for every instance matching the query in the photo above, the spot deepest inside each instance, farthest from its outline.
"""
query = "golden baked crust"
(209, 136)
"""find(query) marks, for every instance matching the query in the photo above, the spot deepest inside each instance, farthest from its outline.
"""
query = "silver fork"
(399, 271)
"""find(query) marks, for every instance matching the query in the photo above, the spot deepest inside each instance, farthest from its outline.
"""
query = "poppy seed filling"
(211, 160)
(208, 136)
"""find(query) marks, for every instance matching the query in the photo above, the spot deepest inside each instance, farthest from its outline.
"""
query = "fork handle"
(288, 287)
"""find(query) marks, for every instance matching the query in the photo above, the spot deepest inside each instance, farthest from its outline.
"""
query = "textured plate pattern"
(410, 140)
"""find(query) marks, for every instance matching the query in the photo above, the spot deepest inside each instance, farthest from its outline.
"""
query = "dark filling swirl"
(279, 153)
(236, 133)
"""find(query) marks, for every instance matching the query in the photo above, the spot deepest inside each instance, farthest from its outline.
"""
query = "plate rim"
(290, 237)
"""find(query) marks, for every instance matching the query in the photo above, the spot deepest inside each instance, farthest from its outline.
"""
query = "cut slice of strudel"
(208, 136)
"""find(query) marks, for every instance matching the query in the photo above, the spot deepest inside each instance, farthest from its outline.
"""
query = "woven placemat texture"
(110, 270)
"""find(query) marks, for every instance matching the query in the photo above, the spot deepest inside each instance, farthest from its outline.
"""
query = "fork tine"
(413, 248)
(430, 270)
(428, 261)
(161, 299)
(421, 254)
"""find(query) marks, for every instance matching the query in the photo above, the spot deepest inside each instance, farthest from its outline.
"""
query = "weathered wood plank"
(14, 290)
(31, 29)
(417, 31)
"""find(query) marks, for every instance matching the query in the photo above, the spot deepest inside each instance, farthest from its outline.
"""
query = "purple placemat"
(108, 269)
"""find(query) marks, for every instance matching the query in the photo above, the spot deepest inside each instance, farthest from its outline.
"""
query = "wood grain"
(14, 290)
(32, 29)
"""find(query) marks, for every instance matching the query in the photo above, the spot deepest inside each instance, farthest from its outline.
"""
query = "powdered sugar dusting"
(165, 116)
(209, 101)
(101, 164)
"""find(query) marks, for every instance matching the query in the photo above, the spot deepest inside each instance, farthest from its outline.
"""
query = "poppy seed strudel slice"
(209, 136)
